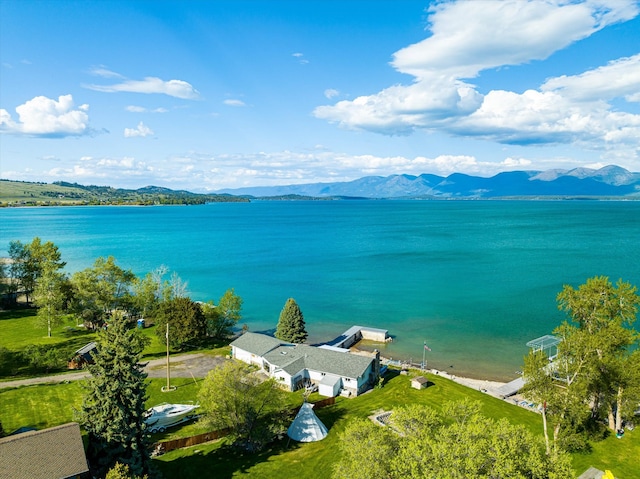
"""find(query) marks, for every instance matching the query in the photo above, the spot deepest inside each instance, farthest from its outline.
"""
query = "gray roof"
(56, 452)
(294, 358)
(258, 344)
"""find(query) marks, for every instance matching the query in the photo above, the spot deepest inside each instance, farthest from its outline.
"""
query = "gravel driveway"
(182, 366)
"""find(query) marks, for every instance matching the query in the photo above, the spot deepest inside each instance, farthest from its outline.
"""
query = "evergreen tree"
(291, 325)
(114, 406)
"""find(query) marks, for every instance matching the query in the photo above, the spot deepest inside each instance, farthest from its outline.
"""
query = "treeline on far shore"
(20, 193)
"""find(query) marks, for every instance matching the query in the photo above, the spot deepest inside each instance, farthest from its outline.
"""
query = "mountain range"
(609, 181)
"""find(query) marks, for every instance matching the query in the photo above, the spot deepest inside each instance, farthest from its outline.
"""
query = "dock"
(357, 333)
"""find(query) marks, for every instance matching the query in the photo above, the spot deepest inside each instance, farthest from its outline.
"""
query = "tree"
(49, 297)
(232, 396)
(366, 450)
(458, 443)
(222, 318)
(187, 322)
(291, 325)
(603, 315)
(28, 262)
(101, 290)
(150, 291)
(597, 368)
(113, 409)
(122, 471)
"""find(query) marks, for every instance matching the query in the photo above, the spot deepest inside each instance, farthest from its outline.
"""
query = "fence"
(166, 446)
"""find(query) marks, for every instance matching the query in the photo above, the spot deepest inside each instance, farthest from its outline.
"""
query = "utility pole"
(168, 387)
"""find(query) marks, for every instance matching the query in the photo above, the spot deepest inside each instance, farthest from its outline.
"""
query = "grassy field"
(21, 329)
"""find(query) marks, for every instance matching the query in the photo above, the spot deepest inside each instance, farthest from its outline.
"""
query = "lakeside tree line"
(93, 295)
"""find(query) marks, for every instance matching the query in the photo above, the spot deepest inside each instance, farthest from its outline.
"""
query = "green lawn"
(49, 405)
(315, 460)
(21, 329)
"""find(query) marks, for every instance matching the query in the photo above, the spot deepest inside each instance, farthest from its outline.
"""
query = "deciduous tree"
(49, 296)
(102, 289)
(221, 318)
(186, 320)
(28, 261)
(596, 369)
(291, 326)
(113, 407)
(233, 396)
(458, 443)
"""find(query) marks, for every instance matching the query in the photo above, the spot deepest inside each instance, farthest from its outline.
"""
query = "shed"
(419, 382)
(83, 356)
(55, 452)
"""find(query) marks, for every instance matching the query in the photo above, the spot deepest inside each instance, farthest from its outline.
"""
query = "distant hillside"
(608, 182)
(20, 193)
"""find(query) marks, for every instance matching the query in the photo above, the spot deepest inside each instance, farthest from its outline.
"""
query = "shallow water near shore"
(474, 279)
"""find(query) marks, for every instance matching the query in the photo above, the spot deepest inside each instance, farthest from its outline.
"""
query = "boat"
(162, 416)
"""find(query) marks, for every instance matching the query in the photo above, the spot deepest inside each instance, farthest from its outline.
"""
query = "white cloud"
(234, 102)
(141, 109)
(103, 72)
(300, 57)
(619, 78)
(331, 93)
(42, 116)
(141, 130)
(112, 171)
(468, 37)
(174, 88)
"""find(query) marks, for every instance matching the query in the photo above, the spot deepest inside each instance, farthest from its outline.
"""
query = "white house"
(294, 365)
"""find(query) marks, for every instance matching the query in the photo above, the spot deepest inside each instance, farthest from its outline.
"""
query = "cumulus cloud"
(141, 130)
(467, 37)
(46, 117)
(174, 88)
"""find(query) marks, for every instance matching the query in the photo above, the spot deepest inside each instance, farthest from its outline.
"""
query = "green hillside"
(20, 193)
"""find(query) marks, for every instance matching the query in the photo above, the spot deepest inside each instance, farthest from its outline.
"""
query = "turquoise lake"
(474, 279)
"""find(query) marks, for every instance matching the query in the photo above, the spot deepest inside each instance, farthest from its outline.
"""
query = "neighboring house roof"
(56, 452)
(258, 344)
(293, 358)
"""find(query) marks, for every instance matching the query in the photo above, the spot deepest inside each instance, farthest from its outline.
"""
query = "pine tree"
(114, 406)
(291, 325)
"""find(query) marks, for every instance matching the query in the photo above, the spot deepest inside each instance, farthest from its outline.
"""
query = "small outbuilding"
(83, 356)
(306, 427)
(419, 382)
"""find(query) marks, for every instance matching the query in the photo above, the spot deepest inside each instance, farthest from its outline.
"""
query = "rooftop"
(55, 452)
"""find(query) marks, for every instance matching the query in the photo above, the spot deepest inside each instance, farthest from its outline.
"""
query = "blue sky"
(223, 94)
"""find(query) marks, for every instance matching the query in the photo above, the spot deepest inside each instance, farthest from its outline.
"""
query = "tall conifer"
(114, 406)
(291, 325)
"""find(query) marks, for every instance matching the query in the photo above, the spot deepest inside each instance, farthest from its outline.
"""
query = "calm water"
(475, 279)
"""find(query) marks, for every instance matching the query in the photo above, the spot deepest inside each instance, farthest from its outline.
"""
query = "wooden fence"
(166, 446)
